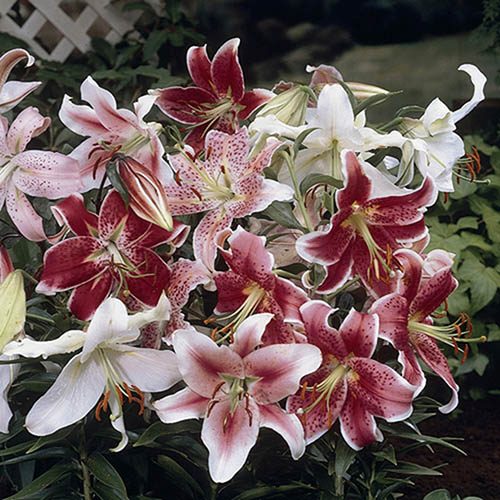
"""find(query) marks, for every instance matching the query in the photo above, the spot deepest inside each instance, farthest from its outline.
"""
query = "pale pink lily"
(227, 185)
(374, 219)
(13, 92)
(217, 100)
(236, 390)
(348, 385)
(250, 286)
(44, 174)
(106, 366)
(111, 130)
(406, 318)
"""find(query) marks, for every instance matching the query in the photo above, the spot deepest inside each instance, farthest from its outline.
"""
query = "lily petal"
(287, 425)
(23, 215)
(85, 299)
(229, 437)
(198, 65)
(201, 361)
(479, 81)
(226, 71)
(182, 405)
(249, 334)
(280, 368)
(360, 333)
(74, 393)
(73, 213)
(8, 374)
(29, 123)
(69, 341)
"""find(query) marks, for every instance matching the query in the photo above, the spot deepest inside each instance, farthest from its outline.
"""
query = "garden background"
(409, 45)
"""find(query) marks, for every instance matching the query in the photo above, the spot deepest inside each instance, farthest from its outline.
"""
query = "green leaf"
(58, 452)
(414, 470)
(270, 491)
(41, 482)
(477, 362)
(178, 475)
(106, 474)
(440, 494)
(300, 139)
(315, 179)
(155, 40)
(116, 181)
(281, 212)
(468, 222)
(482, 291)
(344, 457)
(53, 438)
(387, 453)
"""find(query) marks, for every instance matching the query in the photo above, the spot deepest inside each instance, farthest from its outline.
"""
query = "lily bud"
(147, 196)
(363, 91)
(288, 107)
(13, 305)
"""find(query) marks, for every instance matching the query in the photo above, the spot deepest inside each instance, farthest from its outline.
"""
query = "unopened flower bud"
(13, 306)
(288, 107)
(147, 196)
(363, 91)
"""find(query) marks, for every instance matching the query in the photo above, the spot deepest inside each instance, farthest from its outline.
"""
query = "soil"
(478, 473)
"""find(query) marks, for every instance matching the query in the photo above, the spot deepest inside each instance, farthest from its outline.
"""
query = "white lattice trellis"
(55, 28)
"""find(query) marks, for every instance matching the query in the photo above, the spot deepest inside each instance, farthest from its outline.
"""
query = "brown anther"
(177, 178)
(213, 334)
(455, 346)
(119, 393)
(389, 254)
(129, 392)
(105, 401)
(314, 391)
(211, 406)
(303, 391)
(247, 409)
(216, 390)
(140, 399)
(445, 303)
(465, 355)
(209, 152)
(446, 196)
(222, 168)
(196, 193)
(98, 410)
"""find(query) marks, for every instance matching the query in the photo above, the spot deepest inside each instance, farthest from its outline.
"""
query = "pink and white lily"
(111, 130)
(107, 367)
(406, 318)
(217, 100)
(13, 92)
(374, 219)
(43, 174)
(236, 390)
(111, 252)
(250, 286)
(348, 385)
(227, 185)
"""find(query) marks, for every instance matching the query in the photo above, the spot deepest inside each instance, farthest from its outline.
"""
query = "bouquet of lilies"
(209, 280)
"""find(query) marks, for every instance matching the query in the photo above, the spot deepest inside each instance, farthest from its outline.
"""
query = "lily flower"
(374, 219)
(111, 251)
(348, 384)
(335, 128)
(36, 173)
(217, 100)
(250, 286)
(406, 319)
(111, 130)
(227, 185)
(13, 92)
(107, 367)
(430, 142)
(236, 390)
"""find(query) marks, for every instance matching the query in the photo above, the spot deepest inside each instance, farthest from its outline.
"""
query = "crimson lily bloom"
(43, 174)
(227, 185)
(111, 251)
(348, 384)
(236, 390)
(374, 219)
(251, 286)
(110, 130)
(218, 100)
(406, 321)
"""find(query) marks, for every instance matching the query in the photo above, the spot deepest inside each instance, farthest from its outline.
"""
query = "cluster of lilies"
(275, 351)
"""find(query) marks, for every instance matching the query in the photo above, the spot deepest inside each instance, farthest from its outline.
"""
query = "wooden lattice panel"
(55, 28)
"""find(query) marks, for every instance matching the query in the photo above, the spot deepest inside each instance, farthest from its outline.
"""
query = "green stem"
(298, 194)
(87, 484)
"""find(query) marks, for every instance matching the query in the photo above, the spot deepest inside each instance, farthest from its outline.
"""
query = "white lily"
(429, 142)
(336, 128)
(107, 366)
